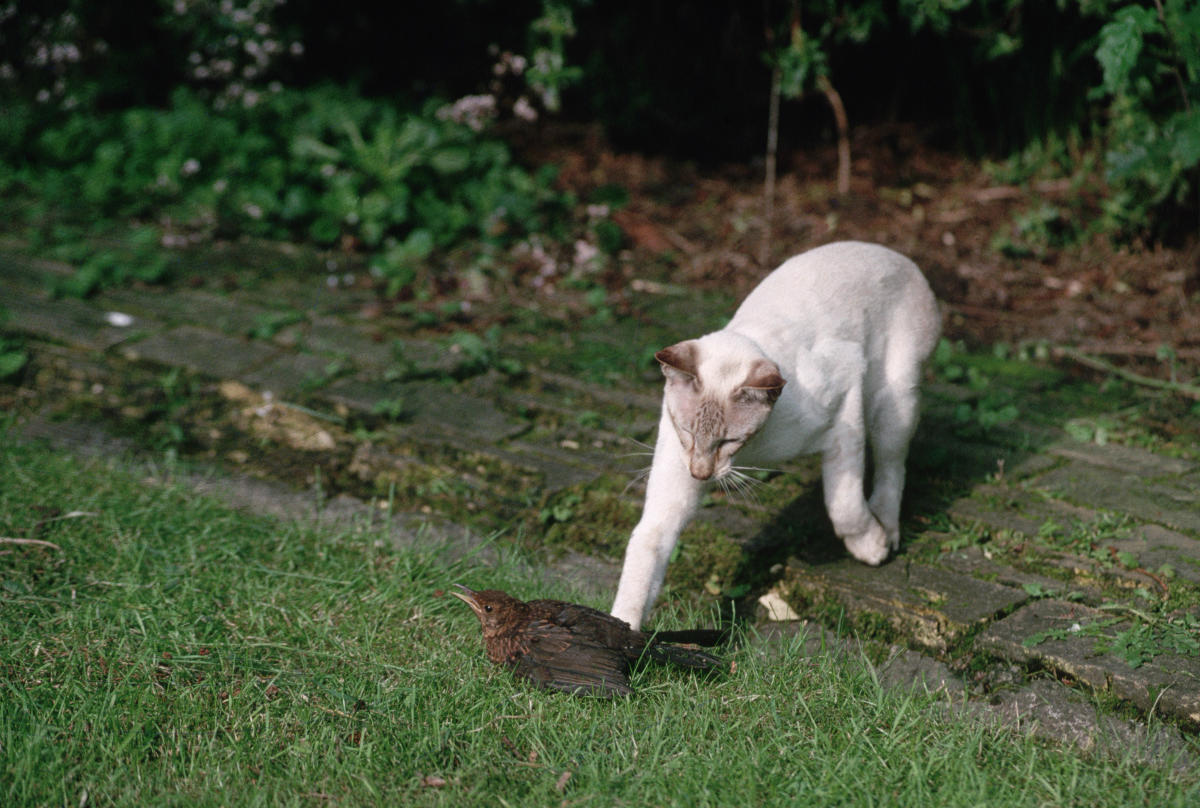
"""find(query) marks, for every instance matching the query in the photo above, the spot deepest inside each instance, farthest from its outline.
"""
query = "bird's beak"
(467, 596)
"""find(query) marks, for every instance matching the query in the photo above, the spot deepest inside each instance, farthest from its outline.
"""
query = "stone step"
(1173, 501)
(1055, 634)
(933, 607)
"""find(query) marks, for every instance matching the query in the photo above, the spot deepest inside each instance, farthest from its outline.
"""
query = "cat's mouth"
(707, 469)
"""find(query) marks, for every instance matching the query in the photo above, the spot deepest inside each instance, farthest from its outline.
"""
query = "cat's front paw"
(872, 546)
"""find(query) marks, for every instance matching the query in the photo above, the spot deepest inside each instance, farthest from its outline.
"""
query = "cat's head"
(719, 393)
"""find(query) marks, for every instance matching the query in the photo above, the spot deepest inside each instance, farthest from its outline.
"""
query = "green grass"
(171, 651)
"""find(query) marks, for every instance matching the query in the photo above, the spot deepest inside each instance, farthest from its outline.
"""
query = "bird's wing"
(600, 627)
(552, 656)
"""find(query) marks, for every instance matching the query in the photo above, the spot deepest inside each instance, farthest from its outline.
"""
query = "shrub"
(1150, 61)
(323, 165)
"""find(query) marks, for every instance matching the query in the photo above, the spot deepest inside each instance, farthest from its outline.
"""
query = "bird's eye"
(487, 608)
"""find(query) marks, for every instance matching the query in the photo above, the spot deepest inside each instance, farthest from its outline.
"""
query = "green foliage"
(13, 356)
(1034, 231)
(989, 407)
(394, 409)
(268, 325)
(478, 354)
(1136, 642)
(548, 73)
(1150, 63)
(1149, 59)
(562, 509)
(319, 165)
(138, 257)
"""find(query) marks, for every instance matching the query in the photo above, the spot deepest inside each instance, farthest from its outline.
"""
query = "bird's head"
(491, 606)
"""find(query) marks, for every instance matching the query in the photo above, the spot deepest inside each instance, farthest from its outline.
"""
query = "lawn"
(158, 648)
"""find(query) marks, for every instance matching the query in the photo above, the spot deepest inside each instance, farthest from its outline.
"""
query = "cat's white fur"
(825, 355)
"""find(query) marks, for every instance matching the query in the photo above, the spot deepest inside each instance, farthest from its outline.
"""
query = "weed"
(560, 510)
(478, 354)
(268, 325)
(140, 258)
(332, 371)
(13, 356)
(393, 409)
(1139, 642)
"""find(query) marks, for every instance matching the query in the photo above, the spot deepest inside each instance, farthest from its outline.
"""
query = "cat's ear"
(764, 380)
(680, 361)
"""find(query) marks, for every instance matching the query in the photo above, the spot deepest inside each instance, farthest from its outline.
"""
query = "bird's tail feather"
(707, 637)
(684, 657)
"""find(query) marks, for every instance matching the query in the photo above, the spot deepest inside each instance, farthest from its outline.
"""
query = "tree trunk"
(764, 255)
(843, 130)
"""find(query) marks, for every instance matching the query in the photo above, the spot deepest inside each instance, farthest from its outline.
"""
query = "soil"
(1005, 259)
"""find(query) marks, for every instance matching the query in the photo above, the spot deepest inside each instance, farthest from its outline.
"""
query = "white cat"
(825, 355)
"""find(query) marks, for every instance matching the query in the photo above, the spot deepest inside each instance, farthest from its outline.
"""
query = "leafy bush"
(1150, 60)
(321, 164)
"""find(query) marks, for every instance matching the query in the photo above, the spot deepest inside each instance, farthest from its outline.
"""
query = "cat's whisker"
(740, 471)
(638, 476)
(737, 484)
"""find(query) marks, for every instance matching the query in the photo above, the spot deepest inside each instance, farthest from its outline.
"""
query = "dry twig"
(1189, 390)
(30, 542)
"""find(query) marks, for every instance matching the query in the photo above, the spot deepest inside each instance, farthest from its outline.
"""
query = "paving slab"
(932, 606)
(1048, 709)
(288, 373)
(1168, 683)
(202, 351)
(1010, 508)
(328, 335)
(19, 268)
(1167, 500)
(1156, 546)
(977, 562)
(229, 315)
(68, 321)
(1114, 456)
(429, 405)
(905, 669)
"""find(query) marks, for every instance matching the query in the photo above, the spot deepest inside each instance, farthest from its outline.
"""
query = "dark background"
(687, 79)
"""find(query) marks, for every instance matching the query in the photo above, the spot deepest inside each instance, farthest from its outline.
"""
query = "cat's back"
(847, 289)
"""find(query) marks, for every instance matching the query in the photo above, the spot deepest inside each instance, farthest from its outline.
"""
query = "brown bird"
(574, 648)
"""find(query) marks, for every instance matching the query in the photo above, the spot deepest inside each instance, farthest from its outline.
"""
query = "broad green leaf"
(1121, 44)
(450, 160)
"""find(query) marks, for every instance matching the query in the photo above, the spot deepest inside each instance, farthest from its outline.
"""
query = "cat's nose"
(702, 469)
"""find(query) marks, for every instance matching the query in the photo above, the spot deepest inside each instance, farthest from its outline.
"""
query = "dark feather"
(578, 649)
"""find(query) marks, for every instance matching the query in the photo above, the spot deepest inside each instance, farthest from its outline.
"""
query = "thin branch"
(1189, 390)
(843, 128)
(764, 255)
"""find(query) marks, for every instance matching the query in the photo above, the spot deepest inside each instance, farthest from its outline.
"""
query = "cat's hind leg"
(891, 421)
(842, 470)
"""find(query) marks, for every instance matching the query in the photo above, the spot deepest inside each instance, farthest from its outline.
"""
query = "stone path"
(1033, 582)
